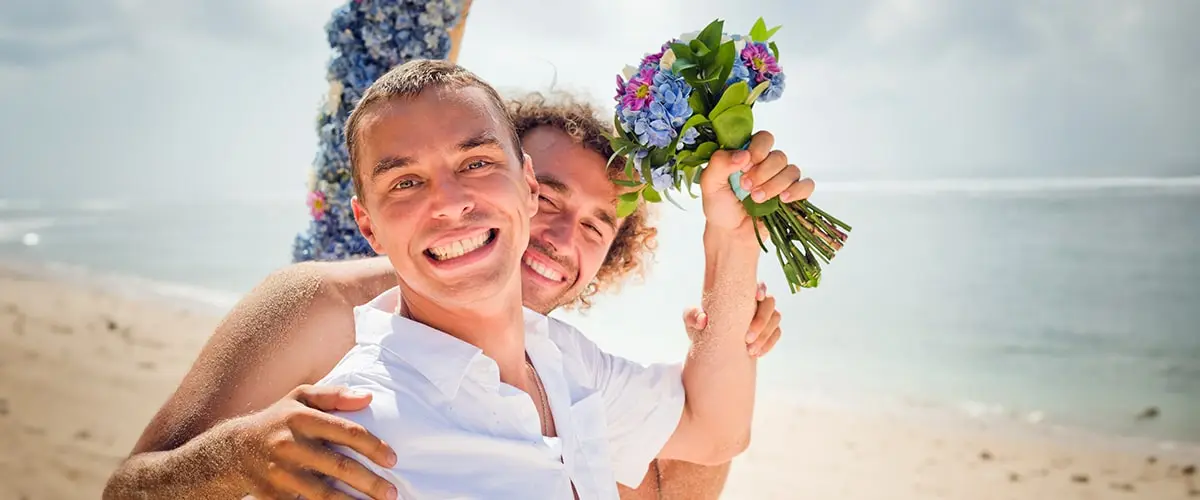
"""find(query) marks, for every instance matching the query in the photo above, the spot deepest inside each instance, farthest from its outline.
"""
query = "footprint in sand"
(1121, 486)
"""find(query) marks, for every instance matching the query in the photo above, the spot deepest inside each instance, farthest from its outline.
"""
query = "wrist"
(223, 454)
(739, 238)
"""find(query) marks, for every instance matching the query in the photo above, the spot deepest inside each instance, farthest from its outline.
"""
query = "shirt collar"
(441, 358)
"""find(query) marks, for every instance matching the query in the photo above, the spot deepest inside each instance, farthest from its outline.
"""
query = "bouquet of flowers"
(695, 96)
(368, 37)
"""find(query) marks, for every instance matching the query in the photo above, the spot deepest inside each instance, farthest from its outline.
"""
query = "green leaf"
(651, 195)
(683, 51)
(626, 183)
(734, 95)
(696, 101)
(725, 56)
(698, 49)
(692, 76)
(618, 151)
(704, 151)
(689, 177)
(759, 32)
(619, 130)
(763, 209)
(774, 50)
(627, 203)
(758, 90)
(771, 33)
(711, 35)
(734, 126)
(667, 194)
(658, 157)
(682, 64)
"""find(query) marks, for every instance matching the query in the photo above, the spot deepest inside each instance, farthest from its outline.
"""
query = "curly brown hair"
(635, 240)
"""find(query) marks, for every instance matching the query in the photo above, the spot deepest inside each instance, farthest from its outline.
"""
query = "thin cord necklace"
(544, 415)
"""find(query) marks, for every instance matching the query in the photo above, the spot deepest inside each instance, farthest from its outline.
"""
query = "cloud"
(220, 94)
(40, 33)
(51, 31)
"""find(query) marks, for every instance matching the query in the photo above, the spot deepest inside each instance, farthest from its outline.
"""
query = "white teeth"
(544, 271)
(460, 247)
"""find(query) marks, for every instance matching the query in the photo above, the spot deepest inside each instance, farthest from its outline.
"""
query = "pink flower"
(652, 60)
(637, 91)
(317, 204)
(760, 61)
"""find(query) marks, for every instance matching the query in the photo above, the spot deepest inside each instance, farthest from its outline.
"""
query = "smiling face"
(444, 196)
(575, 223)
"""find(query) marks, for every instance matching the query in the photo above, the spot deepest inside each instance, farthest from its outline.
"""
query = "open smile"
(543, 267)
(464, 250)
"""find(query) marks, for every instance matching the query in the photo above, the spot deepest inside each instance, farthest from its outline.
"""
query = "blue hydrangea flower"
(367, 37)
(659, 123)
(775, 90)
(662, 178)
(672, 92)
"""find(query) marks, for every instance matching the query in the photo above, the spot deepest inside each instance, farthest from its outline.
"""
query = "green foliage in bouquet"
(695, 97)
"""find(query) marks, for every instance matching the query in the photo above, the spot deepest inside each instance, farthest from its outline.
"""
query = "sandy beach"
(82, 370)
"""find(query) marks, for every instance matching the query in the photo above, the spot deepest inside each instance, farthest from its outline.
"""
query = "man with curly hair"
(295, 327)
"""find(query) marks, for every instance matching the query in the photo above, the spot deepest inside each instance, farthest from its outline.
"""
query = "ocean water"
(1071, 302)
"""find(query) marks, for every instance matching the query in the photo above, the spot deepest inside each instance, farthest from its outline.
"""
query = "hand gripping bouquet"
(695, 96)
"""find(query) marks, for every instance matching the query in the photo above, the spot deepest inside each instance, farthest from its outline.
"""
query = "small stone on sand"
(985, 455)
(1148, 413)
(3, 407)
(1151, 459)
(1080, 478)
(1014, 477)
(112, 325)
(1188, 470)
(83, 434)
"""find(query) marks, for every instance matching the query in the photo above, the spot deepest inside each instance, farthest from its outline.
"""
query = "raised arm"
(719, 374)
(288, 331)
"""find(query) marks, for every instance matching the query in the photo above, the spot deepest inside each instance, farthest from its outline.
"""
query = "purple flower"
(651, 61)
(637, 93)
(760, 62)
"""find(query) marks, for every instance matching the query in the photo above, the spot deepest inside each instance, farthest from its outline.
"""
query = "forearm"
(203, 468)
(719, 375)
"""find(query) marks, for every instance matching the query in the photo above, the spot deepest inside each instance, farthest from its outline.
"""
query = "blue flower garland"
(368, 37)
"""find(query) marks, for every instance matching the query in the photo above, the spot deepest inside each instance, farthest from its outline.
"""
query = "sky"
(217, 98)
